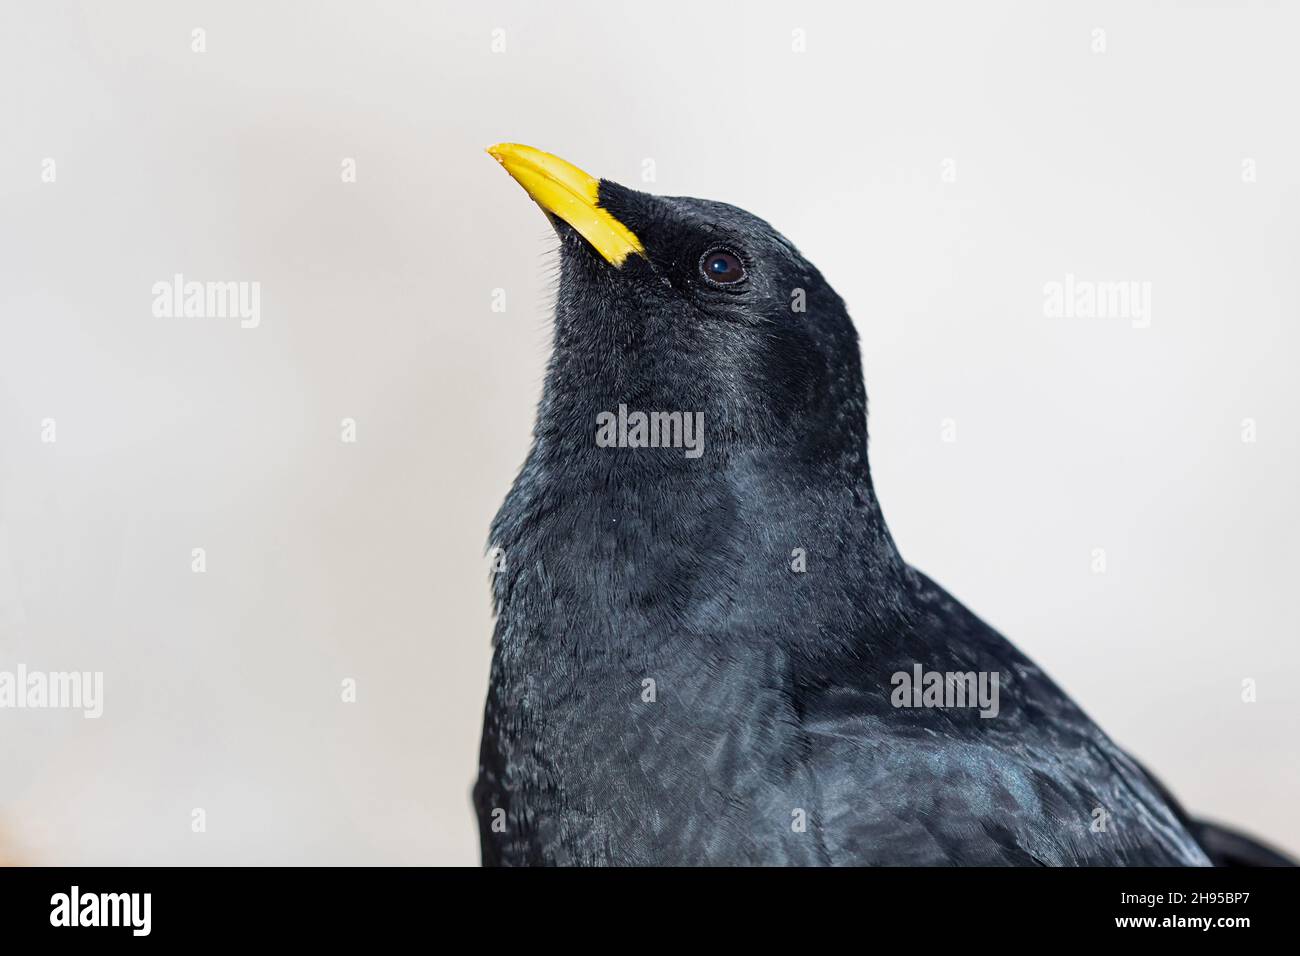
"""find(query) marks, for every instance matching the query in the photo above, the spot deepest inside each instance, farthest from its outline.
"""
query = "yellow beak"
(564, 190)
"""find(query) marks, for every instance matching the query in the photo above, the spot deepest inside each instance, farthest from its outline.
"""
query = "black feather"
(772, 687)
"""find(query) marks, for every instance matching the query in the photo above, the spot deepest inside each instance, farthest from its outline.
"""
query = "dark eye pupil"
(723, 267)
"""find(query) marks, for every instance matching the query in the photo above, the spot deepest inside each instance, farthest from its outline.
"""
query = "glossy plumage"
(667, 688)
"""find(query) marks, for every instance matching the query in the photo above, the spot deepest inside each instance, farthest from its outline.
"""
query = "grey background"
(328, 561)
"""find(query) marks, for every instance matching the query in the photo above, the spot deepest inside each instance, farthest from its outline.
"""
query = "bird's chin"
(574, 247)
(568, 236)
(581, 262)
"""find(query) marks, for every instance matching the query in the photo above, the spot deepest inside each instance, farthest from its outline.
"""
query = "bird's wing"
(1037, 783)
(1222, 844)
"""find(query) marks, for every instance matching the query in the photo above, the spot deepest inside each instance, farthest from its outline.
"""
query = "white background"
(329, 561)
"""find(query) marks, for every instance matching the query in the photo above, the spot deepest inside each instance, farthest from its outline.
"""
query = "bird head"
(680, 305)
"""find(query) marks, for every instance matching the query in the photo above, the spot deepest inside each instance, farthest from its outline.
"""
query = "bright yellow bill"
(564, 190)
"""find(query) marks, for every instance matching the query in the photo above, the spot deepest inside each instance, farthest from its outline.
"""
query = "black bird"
(706, 637)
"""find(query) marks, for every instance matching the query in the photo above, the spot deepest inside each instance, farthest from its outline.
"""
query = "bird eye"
(722, 267)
